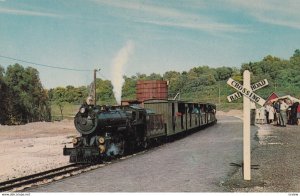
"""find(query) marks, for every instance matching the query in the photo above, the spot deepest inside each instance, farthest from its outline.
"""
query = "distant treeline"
(23, 98)
(77, 95)
(203, 83)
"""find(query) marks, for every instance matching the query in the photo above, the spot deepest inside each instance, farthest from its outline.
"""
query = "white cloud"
(26, 12)
(166, 16)
(199, 26)
(277, 12)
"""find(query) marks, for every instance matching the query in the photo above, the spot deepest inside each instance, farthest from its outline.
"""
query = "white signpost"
(248, 96)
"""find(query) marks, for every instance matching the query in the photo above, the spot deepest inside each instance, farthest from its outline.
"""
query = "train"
(107, 132)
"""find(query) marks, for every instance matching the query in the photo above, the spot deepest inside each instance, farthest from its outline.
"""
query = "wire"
(43, 65)
(103, 76)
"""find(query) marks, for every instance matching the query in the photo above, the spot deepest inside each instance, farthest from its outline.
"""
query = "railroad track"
(21, 183)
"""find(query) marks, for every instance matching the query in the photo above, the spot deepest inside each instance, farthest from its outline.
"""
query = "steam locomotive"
(107, 132)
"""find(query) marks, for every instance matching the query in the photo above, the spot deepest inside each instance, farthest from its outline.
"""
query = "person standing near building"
(262, 116)
(283, 110)
(271, 111)
(267, 112)
(294, 120)
(277, 110)
(289, 111)
(257, 116)
(298, 114)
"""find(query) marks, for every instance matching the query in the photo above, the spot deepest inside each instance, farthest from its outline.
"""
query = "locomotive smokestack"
(118, 64)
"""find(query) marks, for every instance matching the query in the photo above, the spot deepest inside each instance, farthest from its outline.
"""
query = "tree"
(59, 98)
(4, 97)
(129, 88)
(154, 76)
(224, 73)
(105, 94)
(28, 100)
(295, 60)
(173, 79)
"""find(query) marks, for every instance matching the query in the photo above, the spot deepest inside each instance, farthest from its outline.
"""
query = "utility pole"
(95, 71)
(219, 94)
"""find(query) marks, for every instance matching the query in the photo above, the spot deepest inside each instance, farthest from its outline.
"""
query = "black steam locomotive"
(107, 132)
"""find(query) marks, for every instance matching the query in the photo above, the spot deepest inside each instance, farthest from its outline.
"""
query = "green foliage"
(174, 82)
(68, 112)
(61, 96)
(24, 98)
(4, 98)
(283, 75)
(105, 94)
(129, 88)
(203, 83)
(224, 73)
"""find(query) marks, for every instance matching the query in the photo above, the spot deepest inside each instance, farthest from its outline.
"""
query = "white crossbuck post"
(248, 96)
(246, 129)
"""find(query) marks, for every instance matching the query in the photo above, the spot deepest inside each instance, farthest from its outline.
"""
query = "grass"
(225, 107)
(69, 111)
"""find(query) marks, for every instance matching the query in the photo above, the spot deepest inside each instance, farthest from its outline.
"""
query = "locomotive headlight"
(74, 140)
(101, 148)
(82, 110)
(101, 140)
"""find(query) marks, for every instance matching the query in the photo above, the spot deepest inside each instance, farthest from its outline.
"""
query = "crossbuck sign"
(247, 92)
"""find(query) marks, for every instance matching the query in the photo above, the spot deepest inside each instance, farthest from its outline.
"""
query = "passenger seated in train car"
(104, 108)
(202, 109)
(196, 111)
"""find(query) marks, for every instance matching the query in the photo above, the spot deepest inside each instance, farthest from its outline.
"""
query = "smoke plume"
(118, 64)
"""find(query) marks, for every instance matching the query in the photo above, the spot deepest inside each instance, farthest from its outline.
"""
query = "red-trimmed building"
(274, 96)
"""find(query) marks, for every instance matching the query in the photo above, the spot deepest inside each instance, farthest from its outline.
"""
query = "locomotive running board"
(67, 151)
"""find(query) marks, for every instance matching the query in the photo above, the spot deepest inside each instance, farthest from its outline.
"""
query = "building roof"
(275, 95)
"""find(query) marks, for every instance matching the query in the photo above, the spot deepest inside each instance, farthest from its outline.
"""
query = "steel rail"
(34, 178)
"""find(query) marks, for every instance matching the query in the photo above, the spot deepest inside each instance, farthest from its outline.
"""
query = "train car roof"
(164, 101)
(136, 107)
(174, 101)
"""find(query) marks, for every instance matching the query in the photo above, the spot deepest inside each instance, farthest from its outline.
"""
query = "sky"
(142, 36)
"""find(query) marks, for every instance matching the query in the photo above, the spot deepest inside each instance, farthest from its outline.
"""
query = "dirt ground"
(276, 153)
(234, 113)
(34, 147)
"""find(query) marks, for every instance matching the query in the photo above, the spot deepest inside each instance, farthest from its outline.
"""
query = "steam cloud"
(118, 64)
